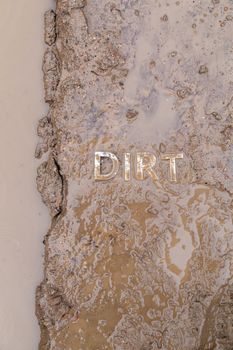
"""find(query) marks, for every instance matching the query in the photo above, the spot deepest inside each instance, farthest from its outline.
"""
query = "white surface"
(23, 218)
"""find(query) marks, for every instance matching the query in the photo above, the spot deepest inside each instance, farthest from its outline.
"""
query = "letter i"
(127, 166)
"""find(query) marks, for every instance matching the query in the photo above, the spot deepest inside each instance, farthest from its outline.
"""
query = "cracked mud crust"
(139, 265)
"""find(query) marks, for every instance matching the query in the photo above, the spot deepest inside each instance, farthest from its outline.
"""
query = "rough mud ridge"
(138, 265)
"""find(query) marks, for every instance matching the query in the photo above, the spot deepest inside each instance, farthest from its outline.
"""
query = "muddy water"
(23, 218)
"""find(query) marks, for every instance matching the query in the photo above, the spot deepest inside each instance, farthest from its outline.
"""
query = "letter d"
(97, 171)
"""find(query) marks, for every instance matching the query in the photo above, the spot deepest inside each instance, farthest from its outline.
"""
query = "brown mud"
(139, 265)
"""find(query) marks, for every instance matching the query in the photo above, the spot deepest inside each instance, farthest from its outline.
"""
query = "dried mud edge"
(50, 182)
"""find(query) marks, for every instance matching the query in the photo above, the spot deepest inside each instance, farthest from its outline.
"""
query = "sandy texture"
(138, 265)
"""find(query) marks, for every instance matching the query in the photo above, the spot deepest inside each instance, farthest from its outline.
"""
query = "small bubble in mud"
(151, 314)
(105, 210)
(136, 12)
(194, 25)
(229, 18)
(203, 69)
(153, 211)
(131, 114)
(152, 64)
(164, 18)
(216, 115)
(182, 93)
(173, 53)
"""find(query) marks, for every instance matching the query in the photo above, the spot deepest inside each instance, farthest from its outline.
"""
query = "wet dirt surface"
(141, 265)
